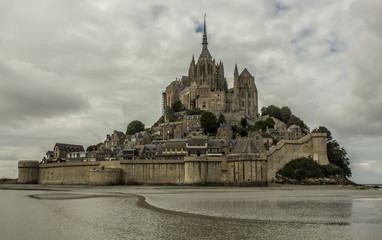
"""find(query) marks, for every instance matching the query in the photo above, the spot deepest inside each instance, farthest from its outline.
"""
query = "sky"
(72, 71)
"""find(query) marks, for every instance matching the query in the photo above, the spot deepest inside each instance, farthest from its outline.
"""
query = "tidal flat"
(160, 212)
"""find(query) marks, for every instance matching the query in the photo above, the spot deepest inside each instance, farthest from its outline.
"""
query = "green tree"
(272, 111)
(91, 148)
(262, 125)
(177, 106)
(269, 123)
(195, 111)
(134, 127)
(239, 130)
(285, 114)
(170, 114)
(209, 122)
(337, 155)
(297, 121)
(243, 122)
(302, 168)
(221, 119)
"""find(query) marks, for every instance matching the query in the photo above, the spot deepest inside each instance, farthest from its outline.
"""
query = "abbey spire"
(204, 32)
(205, 53)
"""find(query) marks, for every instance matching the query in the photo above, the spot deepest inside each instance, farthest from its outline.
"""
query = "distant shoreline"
(271, 186)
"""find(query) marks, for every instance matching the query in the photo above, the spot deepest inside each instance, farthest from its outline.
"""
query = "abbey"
(206, 88)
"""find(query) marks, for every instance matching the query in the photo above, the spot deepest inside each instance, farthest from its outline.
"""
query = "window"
(242, 103)
(249, 103)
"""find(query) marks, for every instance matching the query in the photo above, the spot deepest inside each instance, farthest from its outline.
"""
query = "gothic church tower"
(206, 88)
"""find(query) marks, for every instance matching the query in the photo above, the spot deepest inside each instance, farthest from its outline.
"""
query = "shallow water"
(190, 213)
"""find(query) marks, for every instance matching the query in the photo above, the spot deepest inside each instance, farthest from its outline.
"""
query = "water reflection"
(329, 211)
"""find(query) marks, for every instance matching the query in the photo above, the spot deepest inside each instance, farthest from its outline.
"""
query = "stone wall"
(66, 173)
(152, 171)
(203, 170)
(235, 169)
(247, 169)
(28, 171)
(313, 145)
(101, 176)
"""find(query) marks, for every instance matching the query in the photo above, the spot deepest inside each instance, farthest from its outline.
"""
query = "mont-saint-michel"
(208, 134)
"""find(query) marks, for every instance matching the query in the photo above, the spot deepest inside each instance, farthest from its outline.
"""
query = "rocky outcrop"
(335, 180)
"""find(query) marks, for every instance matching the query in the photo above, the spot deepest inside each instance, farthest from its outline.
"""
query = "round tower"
(28, 171)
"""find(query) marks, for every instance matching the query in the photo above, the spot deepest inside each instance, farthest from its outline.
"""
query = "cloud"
(368, 172)
(73, 71)
(29, 92)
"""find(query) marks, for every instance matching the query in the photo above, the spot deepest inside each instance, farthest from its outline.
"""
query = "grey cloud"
(27, 91)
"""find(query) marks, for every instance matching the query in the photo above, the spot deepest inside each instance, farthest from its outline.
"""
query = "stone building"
(76, 156)
(114, 140)
(197, 145)
(62, 149)
(224, 132)
(174, 149)
(189, 121)
(206, 88)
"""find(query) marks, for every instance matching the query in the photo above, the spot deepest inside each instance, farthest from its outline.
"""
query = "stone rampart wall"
(236, 169)
(204, 170)
(66, 173)
(101, 176)
(152, 171)
(28, 171)
(247, 169)
(278, 156)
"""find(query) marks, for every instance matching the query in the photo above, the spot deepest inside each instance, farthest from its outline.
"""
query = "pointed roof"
(245, 73)
(236, 72)
(245, 145)
(205, 52)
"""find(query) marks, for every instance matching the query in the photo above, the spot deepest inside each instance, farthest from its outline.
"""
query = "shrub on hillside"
(332, 170)
(302, 168)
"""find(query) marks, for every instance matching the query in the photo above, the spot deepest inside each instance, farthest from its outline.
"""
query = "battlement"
(28, 164)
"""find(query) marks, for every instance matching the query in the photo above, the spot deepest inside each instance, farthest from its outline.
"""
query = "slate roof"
(273, 131)
(205, 52)
(266, 135)
(217, 143)
(69, 147)
(245, 145)
(175, 145)
(150, 148)
(120, 134)
(253, 134)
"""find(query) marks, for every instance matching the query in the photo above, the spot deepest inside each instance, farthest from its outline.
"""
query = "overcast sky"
(73, 71)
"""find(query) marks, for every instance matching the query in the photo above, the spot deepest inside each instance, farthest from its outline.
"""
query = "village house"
(114, 140)
(62, 149)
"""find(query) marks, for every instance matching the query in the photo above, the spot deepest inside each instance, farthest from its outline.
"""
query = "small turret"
(191, 70)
